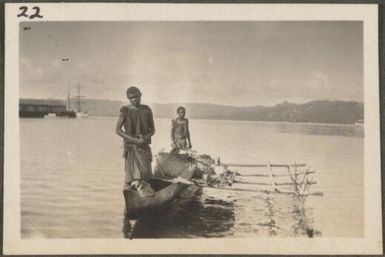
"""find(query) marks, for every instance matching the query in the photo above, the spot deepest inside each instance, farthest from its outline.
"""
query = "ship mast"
(78, 98)
(66, 59)
(69, 97)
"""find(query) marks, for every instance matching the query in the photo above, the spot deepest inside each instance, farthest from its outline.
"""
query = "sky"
(240, 63)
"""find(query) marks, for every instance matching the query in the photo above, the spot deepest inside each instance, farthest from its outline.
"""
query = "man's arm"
(188, 133)
(120, 132)
(151, 127)
(172, 133)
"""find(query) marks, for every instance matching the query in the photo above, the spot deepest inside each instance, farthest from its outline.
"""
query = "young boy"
(180, 134)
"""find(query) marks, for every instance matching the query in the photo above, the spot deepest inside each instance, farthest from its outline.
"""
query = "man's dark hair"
(133, 90)
(180, 108)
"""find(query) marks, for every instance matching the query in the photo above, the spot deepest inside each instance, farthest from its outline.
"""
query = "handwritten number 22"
(24, 10)
(36, 14)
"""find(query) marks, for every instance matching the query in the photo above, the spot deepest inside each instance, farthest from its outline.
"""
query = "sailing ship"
(78, 112)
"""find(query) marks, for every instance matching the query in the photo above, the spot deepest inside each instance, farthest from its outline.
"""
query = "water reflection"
(269, 213)
(302, 215)
(198, 216)
(274, 215)
(282, 215)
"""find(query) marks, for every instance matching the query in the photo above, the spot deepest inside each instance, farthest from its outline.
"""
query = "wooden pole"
(278, 191)
(262, 183)
(264, 165)
(238, 189)
(245, 165)
(275, 175)
(269, 169)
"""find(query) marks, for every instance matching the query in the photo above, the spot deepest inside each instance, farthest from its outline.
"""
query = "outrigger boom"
(264, 165)
(276, 175)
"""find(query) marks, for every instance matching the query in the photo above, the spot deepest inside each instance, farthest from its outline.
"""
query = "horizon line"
(187, 103)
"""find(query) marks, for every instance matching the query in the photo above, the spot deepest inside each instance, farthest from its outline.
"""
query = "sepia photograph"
(192, 129)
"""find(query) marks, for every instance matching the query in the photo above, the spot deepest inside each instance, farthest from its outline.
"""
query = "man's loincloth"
(181, 143)
(137, 162)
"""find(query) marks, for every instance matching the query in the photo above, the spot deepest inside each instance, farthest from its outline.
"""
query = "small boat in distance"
(81, 114)
(359, 123)
(50, 115)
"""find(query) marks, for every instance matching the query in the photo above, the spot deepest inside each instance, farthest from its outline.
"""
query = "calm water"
(72, 173)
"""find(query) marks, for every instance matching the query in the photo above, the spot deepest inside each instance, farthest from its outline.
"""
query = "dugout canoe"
(166, 193)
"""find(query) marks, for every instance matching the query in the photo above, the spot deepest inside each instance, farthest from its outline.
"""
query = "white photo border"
(371, 243)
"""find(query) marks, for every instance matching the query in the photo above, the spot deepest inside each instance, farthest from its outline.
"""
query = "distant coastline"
(319, 112)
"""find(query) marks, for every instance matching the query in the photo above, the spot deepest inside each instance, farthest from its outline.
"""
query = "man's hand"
(146, 138)
(141, 140)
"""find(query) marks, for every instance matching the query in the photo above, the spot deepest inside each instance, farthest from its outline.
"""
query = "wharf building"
(41, 108)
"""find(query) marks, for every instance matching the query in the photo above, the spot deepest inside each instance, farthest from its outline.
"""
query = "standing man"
(136, 126)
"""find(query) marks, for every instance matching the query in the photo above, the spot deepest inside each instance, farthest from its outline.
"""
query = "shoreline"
(225, 120)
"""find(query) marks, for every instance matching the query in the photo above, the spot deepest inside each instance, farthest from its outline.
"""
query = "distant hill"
(342, 112)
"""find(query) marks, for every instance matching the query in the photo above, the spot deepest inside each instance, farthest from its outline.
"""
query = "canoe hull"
(166, 192)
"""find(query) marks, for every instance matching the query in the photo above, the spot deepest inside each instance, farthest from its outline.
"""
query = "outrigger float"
(174, 173)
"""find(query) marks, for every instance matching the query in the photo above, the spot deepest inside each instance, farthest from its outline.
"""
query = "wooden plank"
(298, 173)
(264, 165)
(240, 189)
(291, 183)
(255, 175)
(267, 184)
(275, 175)
(290, 165)
(174, 180)
(252, 183)
(246, 165)
(277, 191)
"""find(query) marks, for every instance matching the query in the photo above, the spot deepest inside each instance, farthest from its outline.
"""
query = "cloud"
(33, 72)
(318, 84)
(233, 62)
